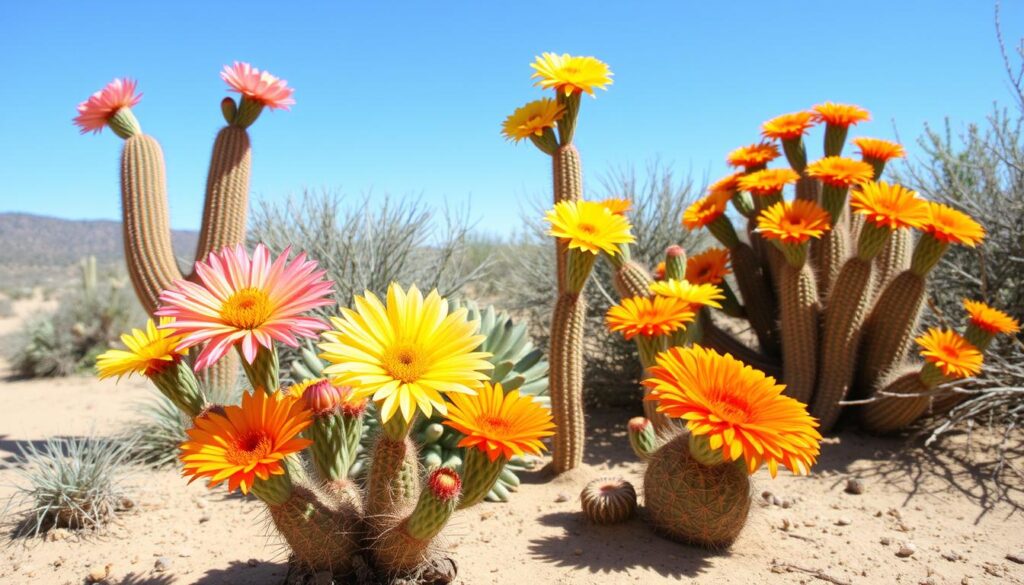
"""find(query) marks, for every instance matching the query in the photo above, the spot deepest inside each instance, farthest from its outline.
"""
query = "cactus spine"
(324, 534)
(407, 546)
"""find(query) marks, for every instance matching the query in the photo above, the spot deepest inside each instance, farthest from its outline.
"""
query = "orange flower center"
(794, 224)
(249, 449)
(587, 228)
(949, 352)
(494, 425)
(247, 308)
(404, 363)
(732, 409)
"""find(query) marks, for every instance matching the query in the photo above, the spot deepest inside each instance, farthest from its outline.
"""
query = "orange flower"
(950, 352)
(839, 171)
(727, 184)
(788, 126)
(708, 267)
(793, 222)
(889, 206)
(949, 225)
(618, 206)
(840, 114)
(649, 317)
(740, 410)
(878, 149)
(659, 271)
(246, 442)
(705, 210)
(768, 181)
(499, 424)
(753, 155)
(992, 321)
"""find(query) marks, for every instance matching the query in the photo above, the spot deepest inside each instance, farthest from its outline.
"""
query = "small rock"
(204, 518)
(775, 501)
(578, 552)
(98, 574)
(786, 524)
(1017, 557)
(951, 556)
(185, 553)
(57, 534)
(885, 540)
(844, 521)
(252, 563)
(162, 564)
(562, 497)
(323, 578)
(767, 495)
(854, 486)
(906, 549)
(787, 503)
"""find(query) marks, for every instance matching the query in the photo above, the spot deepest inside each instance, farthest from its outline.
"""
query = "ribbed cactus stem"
(830, 253)
(833, 200)
(393, 482)
(227, 191)
(335, 439)
(758, 298)
(978, 337)
(547, 142)
(479, 474)
(730, 304)
(723, 231)
(889, 413)
(323, 532)
(675, 263)
(796, 153)
(927, 254)
(877, 165)
(895, 257)
(648, 347)
(743, 204)
(567, 177)
(264, 370)
(436, 504)
(700, 450)
(845, 313)
(889, 329)
(632, 280)
(578, 266)
(872, 241)
(124, 123)
(835, 138)
(566, 381)
(808, 188)
(608, 500)
(247, 113)
(721, 341)
(178, 383)
(799, 313)
(276, 489)
(567, 124)
(642, 437)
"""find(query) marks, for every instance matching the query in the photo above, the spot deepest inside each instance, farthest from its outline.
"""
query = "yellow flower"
(841, 172)
(406, 354)
(648, 317)
(532, 119)
(768, 181)
(589, 226)
(694, 295)
(845, 115)
(992, 321)
(950, 352)
(949, 225)
(889, 206)
(499, 424)
(739, 409)
(148, 352)
(787, 126)
(753, 155)
(570, 74)
(878, 149)
(710, 266)
(793, 222)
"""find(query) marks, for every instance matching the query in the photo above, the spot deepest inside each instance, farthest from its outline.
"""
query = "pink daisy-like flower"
(246, 301)
(259, 86)
(95, 112)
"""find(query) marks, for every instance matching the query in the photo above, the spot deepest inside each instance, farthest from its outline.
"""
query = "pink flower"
(95, 112)
(259, 86)
(246, 301)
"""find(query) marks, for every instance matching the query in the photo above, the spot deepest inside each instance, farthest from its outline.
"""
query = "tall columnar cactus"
(577, 225)
(696, 485)
(149, 254)
(846, 306)
(328, 522)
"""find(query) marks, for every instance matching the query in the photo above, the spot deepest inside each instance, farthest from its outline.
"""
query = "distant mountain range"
(35, 241)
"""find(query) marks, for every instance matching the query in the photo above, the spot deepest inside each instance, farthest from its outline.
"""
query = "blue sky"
(408, 99)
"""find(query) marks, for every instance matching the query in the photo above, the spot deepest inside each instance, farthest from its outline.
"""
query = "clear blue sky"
(410, 100)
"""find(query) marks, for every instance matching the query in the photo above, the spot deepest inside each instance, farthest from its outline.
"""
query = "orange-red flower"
(95, 112)
(889, 206)
(649, 317)
(768, 181)
(949, 225)
(793, 222)
(708, 267)
(990, 320)
(950, 352)
(659, 271)
(499, 424)
(753, 155)
(246, 442)
(705, 210)
(878, 149)
(840, 114)
(839, 171)
(740, 410)
(788, 126)
(727, 184)
(618, 205)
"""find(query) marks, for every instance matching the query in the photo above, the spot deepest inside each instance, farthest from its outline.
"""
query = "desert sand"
(925, 515)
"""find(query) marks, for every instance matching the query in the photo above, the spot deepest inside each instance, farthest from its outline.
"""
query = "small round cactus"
(608, 500)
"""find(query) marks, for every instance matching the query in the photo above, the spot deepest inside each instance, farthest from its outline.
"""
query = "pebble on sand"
(854, 486)
(906, 549)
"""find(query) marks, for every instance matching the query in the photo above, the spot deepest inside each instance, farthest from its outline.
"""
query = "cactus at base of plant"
(407, 545)
(608, 500)
(324, 534)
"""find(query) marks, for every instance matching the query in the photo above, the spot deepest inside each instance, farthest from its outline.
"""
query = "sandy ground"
(943, 504)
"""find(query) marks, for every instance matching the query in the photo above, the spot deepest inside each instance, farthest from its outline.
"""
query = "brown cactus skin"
(632, 280)
(829, 253)
(567, 175)
(325, 533)
(889, 329)
(888, 414)
(808, 188)
(844, 315)
(758, 298)
(227, 192)
(894, 259)
(694, 503)
(566, 381)
(799, 315)
(719, 340)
